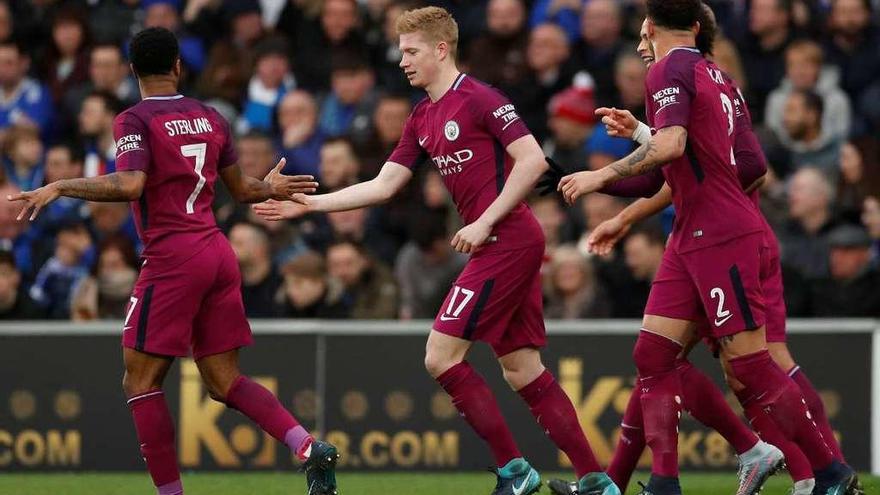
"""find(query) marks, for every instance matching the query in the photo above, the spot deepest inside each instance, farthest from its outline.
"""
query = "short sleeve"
(408, 152)
(132, 147)
(228, 154)
(499, 117)
(671, 89)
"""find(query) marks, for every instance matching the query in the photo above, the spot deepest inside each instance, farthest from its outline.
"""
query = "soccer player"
(489, 161)
(169, 152)
(751, 165)
(700, 397)
(703, 276)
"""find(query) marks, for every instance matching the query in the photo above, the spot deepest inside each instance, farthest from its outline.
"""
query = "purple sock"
(298, 441)
(173, 488)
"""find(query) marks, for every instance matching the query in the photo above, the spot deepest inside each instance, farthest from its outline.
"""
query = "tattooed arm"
(668, 144)
(663, 147)
(118, 186)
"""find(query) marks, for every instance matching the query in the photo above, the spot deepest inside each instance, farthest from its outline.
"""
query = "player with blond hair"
(490, 162)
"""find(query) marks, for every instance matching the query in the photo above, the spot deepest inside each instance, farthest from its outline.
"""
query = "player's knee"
(134, 384)
(437, 364)
(654, 354)
(516, 378)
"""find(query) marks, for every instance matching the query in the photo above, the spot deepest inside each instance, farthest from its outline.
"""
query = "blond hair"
(434, 22)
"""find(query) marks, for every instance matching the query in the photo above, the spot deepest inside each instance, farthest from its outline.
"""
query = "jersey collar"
(170, 97)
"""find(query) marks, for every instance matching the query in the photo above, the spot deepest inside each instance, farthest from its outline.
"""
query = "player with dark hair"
(690, 105)
(169, 152)
(751, 165)
(490, 162)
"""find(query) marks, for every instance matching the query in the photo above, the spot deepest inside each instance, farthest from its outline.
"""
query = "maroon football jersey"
(684, 89)
(465, 134)
(751, 163)
(181, 144)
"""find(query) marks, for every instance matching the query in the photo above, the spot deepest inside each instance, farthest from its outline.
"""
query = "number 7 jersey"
(181, 144)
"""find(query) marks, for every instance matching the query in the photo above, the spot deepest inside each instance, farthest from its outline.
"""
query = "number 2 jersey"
(684, 89)
(181, 144)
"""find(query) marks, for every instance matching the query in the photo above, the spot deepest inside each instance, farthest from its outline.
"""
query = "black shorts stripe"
(499, 167)
(741, 298)
(695, 164)
(142, 318)
(478, 309)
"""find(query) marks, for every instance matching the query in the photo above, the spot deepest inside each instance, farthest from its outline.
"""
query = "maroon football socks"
(155, 432)
(556, 415)
(476, 404)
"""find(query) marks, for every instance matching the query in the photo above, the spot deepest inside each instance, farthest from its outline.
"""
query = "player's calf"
(655, 356)
(155, 432)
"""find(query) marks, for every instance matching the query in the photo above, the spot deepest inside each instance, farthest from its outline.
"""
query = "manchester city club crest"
(451, 130)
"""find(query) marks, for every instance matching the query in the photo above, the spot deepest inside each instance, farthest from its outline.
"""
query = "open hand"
(36, 199)
(620, 123)
(284, 187)
(606, 235)
(274, 210)
(578, 184)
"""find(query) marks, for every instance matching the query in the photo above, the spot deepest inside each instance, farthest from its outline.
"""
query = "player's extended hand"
(578, 184)
(471, 237)
(550, 180)
(285, 186)
(36, 199)
(606, 235)
(274, 210)
(620, 123)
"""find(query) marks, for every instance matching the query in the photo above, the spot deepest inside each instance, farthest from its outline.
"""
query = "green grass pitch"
(349, 484)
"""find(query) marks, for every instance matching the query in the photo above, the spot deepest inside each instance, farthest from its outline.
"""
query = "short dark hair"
(674, 14)
(74, 149)
(154, 52)
(15, 45)
(708, 30)
(111, 45)
(812, 101)
(653, 234)
(7, 257)
(110, 101)
(349, 60)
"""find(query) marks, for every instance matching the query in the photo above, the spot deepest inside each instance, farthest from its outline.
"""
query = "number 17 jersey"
(181, 144)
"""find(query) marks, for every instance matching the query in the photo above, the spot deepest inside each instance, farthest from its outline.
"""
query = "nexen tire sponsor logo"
(666, 97)
(128, 143)
(450, 164)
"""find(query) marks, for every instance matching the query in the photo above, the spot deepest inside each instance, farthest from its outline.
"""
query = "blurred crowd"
(318, 82)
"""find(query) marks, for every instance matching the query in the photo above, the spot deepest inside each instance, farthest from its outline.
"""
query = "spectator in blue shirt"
(566, 13)
(348, 109)
(271, 81)
(22, 100)
(96, 116)
(166, 14)
(74, 255)
(23, 157)
(300, 137)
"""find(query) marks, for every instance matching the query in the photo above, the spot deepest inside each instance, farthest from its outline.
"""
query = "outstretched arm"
(275, 185)
(607, 234)
(378, 190)
(667, 145)
(119, 186)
